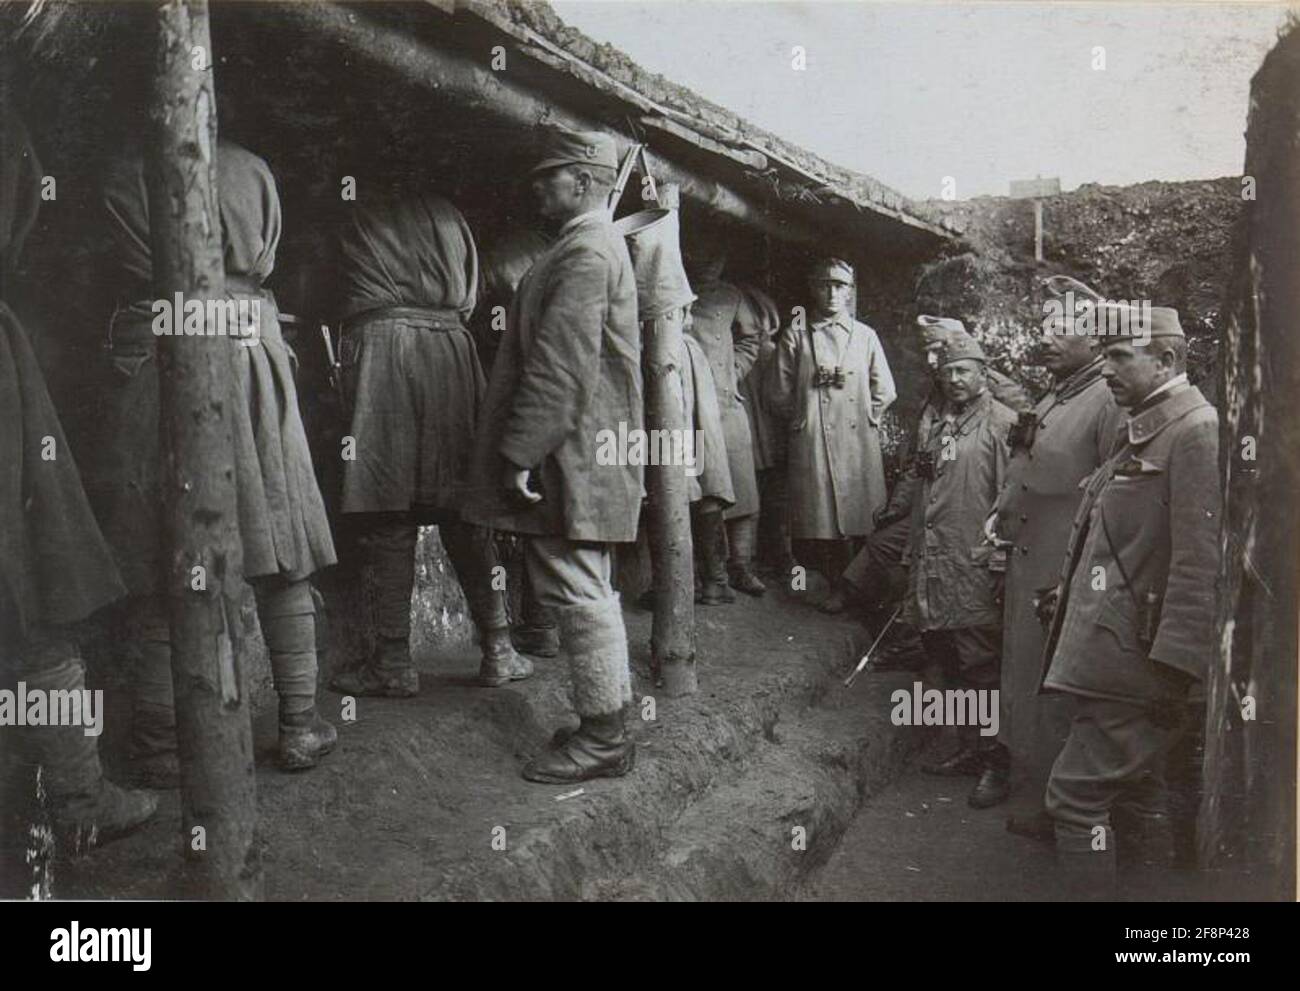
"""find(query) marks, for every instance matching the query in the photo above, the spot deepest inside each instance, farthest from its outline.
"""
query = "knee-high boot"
(388, 573)
(709, 536)
(742, 535)
(288, 618)
(595, 640)
(473, 556)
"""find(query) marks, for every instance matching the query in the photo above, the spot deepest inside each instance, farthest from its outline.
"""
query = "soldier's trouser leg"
(1112, 759)
(388, 544)
(537, 633)
(574, 579)
(287, 613)
(473, 556)
(153, 719)
(288, 617)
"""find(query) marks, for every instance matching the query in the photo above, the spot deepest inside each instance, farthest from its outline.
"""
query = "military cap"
(561, 146)
(1115, 322)
(960, 348)
(832, 270)
(935, 331)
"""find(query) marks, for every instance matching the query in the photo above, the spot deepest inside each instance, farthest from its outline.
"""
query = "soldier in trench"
(569, 366)
(282, 523)
(831, 381)
(55, 567)
(1132, 627)
(953, 594)
(410, 281)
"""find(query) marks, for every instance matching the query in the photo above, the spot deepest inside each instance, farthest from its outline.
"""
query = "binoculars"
(1023, 430)
(828, 378)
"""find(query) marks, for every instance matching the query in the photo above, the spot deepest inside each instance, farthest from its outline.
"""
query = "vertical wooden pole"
(1038, 229)
(204, 561)
(672, 639)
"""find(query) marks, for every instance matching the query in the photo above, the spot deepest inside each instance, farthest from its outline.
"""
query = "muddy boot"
(87, 810)
(994, 784)
(596, 642)
(501, 664)
(741, 537)
(304, 739)
(155, 762)
(599, 748)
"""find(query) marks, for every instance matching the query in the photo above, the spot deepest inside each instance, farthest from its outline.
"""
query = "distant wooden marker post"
(1036, 189)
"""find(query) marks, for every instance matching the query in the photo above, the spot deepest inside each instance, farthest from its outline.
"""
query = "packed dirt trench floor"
(773, 782)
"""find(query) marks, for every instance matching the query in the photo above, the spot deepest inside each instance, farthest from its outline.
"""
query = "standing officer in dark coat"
(1133, 627)
(568, 370)
(1069, 433)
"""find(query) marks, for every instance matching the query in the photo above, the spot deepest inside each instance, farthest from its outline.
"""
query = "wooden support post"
(1038, 230)
(204, 569)
(672, 639)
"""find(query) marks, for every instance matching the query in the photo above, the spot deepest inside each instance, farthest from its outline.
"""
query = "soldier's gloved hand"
(515, 482)
(1170, 709)
(1045, 605)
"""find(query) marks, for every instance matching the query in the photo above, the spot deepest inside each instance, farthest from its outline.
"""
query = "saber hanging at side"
(874, 644)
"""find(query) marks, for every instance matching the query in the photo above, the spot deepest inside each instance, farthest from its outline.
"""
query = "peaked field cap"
(939, 330)
(560, 146)
(832, 269)
(1126, 322)
(960, 347)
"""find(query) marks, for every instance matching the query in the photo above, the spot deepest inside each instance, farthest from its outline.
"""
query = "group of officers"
(1063, 551)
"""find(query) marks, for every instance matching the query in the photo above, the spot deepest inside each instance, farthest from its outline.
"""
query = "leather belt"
(426, 317)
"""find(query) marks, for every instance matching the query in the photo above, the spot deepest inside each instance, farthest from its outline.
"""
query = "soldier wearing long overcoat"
(1133, 626)
(831, 379)
(1067, 436)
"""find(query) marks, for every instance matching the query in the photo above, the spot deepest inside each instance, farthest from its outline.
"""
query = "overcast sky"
(983, 92)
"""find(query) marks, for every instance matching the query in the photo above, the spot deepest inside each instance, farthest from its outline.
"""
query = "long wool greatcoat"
(282, 523)
(1151, 512)
(55, 567)
(569, 367)
(836, 475)
(723, 324)
(949, 584)
(410, 276)
(1077, 421)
